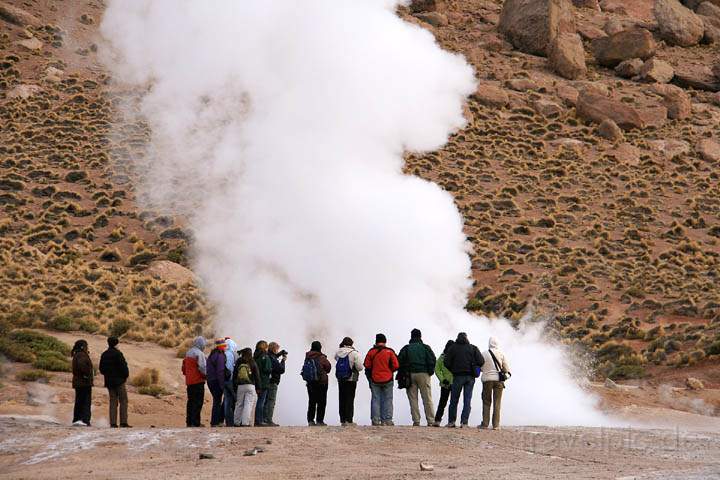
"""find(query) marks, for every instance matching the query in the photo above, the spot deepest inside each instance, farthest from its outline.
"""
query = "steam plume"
(278, 129)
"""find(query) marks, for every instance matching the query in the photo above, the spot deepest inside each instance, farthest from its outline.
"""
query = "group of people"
(115, 370)
(244, 383)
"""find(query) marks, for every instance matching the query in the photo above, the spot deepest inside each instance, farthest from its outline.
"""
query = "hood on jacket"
(462, 338)
(200, 343)
(314, 354)
(231, 345)
(493, 343)
(344, 352)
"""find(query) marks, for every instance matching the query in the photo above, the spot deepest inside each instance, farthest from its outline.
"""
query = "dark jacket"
(417, 357)
(215, 366)
(264, 366)
(463, 357)
(323, 363)
(278, 368)
(114, 367)
(380, 364)
(82, 370)
(254, 374)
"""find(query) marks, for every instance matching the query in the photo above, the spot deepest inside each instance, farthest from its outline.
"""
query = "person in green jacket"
(445, 377)
(418, 359)
(264, 365)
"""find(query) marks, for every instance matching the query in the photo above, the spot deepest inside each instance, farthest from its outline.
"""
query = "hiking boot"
(80, 423)
(482, 427)
(388, 423)
(450, 425)
(464, 425)
(376, 424)
(272, 424)
(125, 425)
(321, 424)
(436, 424)
(350, 424)
(496, 428)
(261, 424)
(416, 424)
(312, 423)
(113, 425)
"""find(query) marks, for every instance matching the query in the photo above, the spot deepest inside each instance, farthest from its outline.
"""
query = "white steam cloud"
(278, 128)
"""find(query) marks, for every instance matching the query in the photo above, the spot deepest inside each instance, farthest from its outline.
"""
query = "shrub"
(146, 377)
(33, 376)
(16, 352)
(90, 326)
(153, 390)
(713, 349)
(53, 361)
(141, 258)
(119, 327)
(627, 372)
(62, 323)
(38, 342)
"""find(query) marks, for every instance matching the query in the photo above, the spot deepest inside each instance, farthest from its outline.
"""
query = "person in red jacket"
(380, 365)
(194, 369)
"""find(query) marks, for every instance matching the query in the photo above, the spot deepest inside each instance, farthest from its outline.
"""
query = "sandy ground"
(33, 448)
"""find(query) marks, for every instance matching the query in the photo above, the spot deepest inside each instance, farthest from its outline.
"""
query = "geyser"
(278, 129)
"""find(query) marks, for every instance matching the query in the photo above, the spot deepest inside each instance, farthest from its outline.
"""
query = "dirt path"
(32, 448)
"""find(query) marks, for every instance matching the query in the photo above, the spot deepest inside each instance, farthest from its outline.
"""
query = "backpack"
(343, 370)
(243, 374)
(309, 370)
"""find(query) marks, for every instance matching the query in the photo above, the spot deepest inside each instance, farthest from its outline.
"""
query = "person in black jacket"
(464, 361)
(82, 382)
(115, 369)
(277, 359)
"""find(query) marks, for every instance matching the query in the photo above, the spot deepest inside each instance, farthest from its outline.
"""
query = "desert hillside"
(587, 176)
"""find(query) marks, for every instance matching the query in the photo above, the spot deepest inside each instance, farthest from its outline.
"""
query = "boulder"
(694, 384)
(531, 25)
(616, 25)
(32, 44)
(521, 84)
(629, 68)
(567, 94)
(436, 19)
(712, 29)
(656, 71)
(697, 76)
(170, 272)
(24, 91)
(590, 32)
(692, 4)
(596, 107)
(567, 56)
(609, 129)
(609, 383)
(677, 24)
(491, 95)
(613, 49)
(670, 149)
(709, 10)
(675, 99)
(709, 150)
(18, 16)
(547, 108)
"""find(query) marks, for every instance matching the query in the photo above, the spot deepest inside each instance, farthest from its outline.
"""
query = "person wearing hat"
(216, 381)
(380, 365)
(115, 370)
(418, 360)
(317, 387)
(348, 365)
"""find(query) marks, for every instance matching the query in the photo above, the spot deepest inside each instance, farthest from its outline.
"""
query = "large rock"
(709, 150)
(594, 106)
(630, 68)
(24, 91)
(677, 24)
(170, 272)
(675, 99)
(712, 29)
(613, 49)
(425, 5)
(656, 71)
(609, 129)
(567, 56)
(697, 76)
(694, 384)
(531, 25)
(32, 44)
(436, 19)
(709, 10)
(491, 95)
(18, 16)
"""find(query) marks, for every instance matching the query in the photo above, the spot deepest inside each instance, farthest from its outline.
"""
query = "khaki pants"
(421, 381)
(492, 395)
(118, 395)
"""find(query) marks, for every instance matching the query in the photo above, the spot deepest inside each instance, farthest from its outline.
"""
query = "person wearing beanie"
(216, 381)
(380, 365)
(464, 361)
(348, 365)
(417, 361)
(115, 370)
(315, 373)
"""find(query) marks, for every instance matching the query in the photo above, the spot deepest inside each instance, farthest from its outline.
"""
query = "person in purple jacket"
(216, 381)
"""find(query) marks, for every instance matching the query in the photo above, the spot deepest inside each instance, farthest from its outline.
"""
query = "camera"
(282, 353)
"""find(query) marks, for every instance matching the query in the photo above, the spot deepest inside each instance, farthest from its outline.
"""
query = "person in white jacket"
(492, 386)
(347, 368)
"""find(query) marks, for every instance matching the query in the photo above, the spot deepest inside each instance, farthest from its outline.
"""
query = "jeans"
(260, 407)
(317, 401)
(346, 402)
(83, 402)
(218, 415)
(244, 402)
(196, 397)
(118, 395)
(270, 402)
(492, 396)
(229, 403)
(464, 384)
(444, 396)
(381, 404)
(421, 382)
